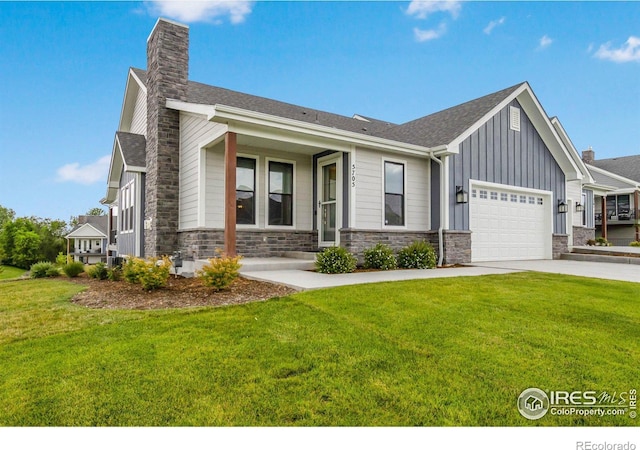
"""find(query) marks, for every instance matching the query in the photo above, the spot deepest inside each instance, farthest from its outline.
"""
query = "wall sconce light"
(462, 196)
(562, 207)
(579, 207)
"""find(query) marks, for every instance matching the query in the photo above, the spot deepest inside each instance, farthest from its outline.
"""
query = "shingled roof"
(133, 148)
(625, 166)
(100, 223)
(430, 131)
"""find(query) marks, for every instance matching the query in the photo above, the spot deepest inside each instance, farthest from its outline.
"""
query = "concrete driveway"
(607, 271)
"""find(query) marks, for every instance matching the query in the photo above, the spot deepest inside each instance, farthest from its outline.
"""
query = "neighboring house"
(197, 167)
(90, 239)
(617, 212)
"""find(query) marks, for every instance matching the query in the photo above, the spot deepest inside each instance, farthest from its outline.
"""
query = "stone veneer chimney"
(588, 156)
(167, 76)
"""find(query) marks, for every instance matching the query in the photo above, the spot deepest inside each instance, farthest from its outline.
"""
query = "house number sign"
(353, 175)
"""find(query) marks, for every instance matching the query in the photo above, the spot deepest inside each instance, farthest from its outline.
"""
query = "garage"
(509, 223)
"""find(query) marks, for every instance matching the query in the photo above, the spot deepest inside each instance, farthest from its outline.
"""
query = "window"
(127, 196)
(584, 210)
(624, 207)
(503, 196)
(393, 193)
(523, 199)
(540, 201)
(514, 198)
(246, 191)
(532, 200)
(483, 194)
(280, 193)
(494, 196)
(611, 206)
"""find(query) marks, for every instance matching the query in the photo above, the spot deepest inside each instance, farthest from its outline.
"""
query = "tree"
(6, 215)
(26, 240)
(26, 250)
(96, 212)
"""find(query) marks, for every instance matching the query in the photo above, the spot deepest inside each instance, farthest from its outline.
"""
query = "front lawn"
(451, 351)
(9, 272)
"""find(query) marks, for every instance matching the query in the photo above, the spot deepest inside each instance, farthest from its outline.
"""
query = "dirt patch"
(179, 293)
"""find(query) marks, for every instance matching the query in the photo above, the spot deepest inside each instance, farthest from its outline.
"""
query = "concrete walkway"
(304, 280)
(607, 271)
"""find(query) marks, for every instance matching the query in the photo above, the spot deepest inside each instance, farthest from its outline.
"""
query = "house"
(90, 238)
(533, 403)
(197, 167)
(617, 211)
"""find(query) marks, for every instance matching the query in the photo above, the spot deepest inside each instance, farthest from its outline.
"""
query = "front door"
(329, 201)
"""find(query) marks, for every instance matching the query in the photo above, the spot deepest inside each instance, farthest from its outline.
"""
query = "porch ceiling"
(272, 144)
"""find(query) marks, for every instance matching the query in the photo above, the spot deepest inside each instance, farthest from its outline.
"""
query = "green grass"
(454, 351)
(9, 272)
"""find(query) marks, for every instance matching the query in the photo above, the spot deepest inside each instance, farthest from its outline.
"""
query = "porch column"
(603, 199)
(636, 218)
(230, 194)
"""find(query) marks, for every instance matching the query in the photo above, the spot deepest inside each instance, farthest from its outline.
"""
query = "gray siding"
(435, 195)
(590, 209)
(126, 244)
(497, 154)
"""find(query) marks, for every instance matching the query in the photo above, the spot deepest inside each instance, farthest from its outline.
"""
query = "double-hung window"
(394, 213)
(127, 201)
(280, 185)
(246, 191)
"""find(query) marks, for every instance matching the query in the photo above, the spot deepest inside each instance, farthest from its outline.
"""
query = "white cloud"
(201, 10)
(545, 41)
(88, 174)
(630, 51)
(494, 23)
(428, 35)
(422, 9)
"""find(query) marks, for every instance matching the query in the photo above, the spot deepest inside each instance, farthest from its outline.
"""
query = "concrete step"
(628, 252)
(309, 256)
(578, 256)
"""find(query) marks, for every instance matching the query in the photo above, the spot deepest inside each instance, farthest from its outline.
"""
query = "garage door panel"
(508, 225)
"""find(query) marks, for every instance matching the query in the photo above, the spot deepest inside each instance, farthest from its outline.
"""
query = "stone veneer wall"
(167, 74)
(457, 244)
(560, 245)
(582, 234)
(203, 243)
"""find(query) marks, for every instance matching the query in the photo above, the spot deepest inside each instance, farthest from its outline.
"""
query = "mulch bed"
(179, 293)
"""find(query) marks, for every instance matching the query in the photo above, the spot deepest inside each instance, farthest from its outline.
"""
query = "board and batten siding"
(193, 132)
(370, 190)
(139, 119)
(126, 244)
(303, 186)
(574, 193)
(495, 153)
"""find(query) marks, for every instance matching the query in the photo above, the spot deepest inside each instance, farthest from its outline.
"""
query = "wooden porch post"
(230, 194)
(604, 216)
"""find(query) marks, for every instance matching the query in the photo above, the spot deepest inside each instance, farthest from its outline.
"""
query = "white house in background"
(90, 239)
(197, 167)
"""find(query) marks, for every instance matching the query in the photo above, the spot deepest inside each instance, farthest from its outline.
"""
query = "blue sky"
(63, 68)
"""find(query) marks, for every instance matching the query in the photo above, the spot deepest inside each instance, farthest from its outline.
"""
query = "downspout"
(442, 212)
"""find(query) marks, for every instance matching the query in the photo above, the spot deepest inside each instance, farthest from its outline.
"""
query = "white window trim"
(267, 160)
(404, 199)
(256, 193)
(326, 160)
(123, 189)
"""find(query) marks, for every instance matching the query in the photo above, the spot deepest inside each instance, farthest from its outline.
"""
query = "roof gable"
(93, 227)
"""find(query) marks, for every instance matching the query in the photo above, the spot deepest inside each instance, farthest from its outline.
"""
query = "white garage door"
(509, 224)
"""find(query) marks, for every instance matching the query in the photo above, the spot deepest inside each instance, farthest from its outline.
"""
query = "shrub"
(602, 241)
(61, 259)
(380, 257)
(53, 271)
(635, 244)
(591, 242)
(152, 273)
(335, 260)
(114, 274)
(73, 269)
(220, 272)
(98, 271)
(419, 255)
(42, 269)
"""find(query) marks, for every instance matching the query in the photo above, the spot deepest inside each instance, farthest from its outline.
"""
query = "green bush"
(42, 269)
(418, 255)
(73, 269)
(98, 271)
(380, 257)
(54, 271)
(220, 272)
(335, 260)
(635, 244)
(114, 274)
(602, 242)
(152, 273)
(61, 259)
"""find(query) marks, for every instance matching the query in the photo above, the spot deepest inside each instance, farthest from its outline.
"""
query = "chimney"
(588, 156)
(167, 76)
